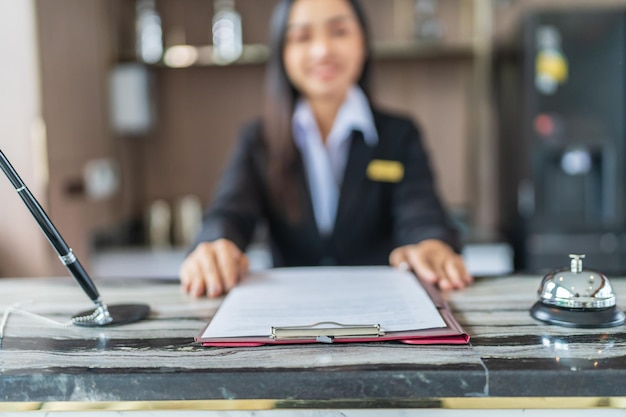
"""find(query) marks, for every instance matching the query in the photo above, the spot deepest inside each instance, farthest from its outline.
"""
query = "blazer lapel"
(359, 156)
(306, 203)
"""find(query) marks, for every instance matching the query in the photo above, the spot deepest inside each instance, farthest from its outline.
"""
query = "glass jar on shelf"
(227, 32)
(428, 26)
(149, 34)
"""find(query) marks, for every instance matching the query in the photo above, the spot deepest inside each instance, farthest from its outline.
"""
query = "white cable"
(5, 318)
(41, 318)
(15, 308)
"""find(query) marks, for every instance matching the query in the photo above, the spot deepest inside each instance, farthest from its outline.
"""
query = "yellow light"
(180, 56)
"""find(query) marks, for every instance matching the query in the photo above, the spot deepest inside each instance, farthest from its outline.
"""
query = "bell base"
(120, 314)
(580, 318)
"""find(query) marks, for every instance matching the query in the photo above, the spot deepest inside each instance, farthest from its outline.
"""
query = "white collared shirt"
(325, 163)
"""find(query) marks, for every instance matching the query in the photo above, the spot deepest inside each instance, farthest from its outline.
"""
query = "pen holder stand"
(112, 315)
(103, 315)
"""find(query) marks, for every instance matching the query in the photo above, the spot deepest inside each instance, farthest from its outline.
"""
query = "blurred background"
(121, 114)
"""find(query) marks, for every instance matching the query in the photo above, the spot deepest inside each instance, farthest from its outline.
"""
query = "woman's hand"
(213, 268)
(435, 262)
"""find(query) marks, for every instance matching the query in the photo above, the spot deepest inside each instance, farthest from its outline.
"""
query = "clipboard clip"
(326, 331)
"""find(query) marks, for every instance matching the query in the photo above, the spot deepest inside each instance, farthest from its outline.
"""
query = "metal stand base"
(116, 315)
(582, 318)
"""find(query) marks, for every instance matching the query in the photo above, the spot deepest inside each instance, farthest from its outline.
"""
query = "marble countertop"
(510, 354)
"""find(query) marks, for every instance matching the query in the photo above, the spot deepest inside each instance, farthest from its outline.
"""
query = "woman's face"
(324, 48)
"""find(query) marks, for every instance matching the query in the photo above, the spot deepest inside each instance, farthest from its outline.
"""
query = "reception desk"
(512, 360)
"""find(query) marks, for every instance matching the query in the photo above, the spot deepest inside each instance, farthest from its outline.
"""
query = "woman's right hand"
(213, 268)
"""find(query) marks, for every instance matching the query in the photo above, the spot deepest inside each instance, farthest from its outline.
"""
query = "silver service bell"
(577, 297)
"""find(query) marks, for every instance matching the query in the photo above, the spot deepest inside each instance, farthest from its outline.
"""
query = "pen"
(66, 255)
(103, 315)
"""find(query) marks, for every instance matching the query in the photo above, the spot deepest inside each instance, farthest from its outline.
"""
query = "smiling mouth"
(324, 73)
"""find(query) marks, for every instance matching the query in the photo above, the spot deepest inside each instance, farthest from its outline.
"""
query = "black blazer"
(373, 216)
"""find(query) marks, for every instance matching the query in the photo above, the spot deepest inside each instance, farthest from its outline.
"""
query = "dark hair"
(280, 100)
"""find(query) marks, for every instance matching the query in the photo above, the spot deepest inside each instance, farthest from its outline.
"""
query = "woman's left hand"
(435, 262)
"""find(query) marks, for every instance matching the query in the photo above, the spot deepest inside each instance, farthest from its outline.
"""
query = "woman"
(338, 182)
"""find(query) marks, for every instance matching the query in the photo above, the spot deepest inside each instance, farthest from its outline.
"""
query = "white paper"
(304, 296)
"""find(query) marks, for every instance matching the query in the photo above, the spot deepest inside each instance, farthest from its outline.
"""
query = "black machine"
(562, 101)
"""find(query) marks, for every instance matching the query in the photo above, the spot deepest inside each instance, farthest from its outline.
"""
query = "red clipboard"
(330, 332)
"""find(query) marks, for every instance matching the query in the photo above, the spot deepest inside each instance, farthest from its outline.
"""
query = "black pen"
(103, 315)
(65, 253)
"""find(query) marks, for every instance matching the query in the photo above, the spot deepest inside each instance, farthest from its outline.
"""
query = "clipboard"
(447, 331)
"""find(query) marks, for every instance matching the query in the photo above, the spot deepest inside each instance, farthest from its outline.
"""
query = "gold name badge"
(385, 171)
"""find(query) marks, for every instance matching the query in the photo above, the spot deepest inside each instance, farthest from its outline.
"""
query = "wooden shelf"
(422, 50)
(182, 56)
